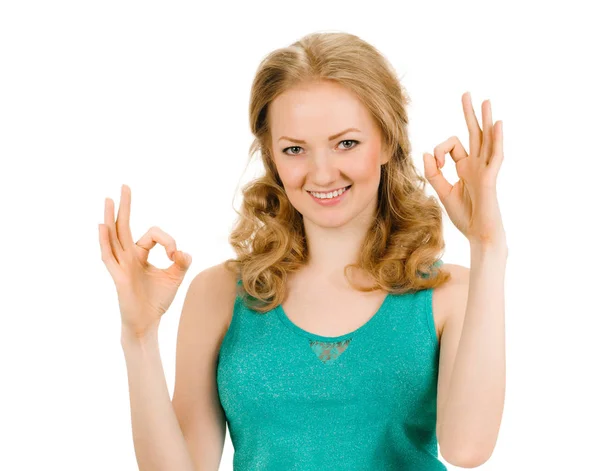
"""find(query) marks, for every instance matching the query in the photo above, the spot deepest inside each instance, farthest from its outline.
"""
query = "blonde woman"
(336, 337)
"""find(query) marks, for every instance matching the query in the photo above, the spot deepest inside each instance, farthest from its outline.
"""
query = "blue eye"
(298, 147)
(350, 140)
(293, 147)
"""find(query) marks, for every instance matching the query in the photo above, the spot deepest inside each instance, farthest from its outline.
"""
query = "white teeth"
(329, 195)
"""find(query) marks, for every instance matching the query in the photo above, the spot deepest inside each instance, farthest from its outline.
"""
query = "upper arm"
(452, 300)
(204, 320)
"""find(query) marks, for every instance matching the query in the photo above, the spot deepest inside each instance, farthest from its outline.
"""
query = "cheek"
(291, 173)
(368, 167)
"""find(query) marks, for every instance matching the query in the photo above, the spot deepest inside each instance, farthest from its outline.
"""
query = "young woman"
(336, 337)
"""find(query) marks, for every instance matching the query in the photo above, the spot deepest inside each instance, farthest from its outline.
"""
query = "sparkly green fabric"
(365, 400)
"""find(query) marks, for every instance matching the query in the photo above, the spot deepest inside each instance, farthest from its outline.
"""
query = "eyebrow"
(331, 138)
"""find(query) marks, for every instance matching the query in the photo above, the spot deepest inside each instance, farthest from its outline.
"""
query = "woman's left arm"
(475, 400)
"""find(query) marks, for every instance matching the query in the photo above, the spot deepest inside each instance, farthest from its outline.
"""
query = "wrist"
(499, 249)
(130, 335)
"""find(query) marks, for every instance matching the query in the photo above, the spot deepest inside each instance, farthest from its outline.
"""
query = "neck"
(333, 248)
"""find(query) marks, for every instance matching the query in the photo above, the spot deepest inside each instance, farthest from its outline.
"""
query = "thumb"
(435, 177)
(181, 263)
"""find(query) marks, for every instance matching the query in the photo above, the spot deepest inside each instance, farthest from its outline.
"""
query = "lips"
(330, 191)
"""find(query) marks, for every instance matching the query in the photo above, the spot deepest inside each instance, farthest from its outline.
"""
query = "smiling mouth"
(331, 191)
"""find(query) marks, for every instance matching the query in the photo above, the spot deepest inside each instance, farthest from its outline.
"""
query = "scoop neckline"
(304, 333)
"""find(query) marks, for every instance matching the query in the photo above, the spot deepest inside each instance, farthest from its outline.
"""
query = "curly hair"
(401, 249)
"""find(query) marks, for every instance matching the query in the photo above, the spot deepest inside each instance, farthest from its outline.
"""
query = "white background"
(155, 95)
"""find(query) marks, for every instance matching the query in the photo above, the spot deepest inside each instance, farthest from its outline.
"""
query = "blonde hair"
(268, 236)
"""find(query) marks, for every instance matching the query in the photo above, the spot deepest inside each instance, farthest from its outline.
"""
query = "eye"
(350, 140)
(293, 147)
(285, 151)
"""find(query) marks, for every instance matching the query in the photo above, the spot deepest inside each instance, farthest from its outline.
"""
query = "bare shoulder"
(217, 286)
(208, 305)
(448, 298)
(207, 309)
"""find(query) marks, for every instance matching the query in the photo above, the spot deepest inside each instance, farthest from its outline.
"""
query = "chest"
(335, 313)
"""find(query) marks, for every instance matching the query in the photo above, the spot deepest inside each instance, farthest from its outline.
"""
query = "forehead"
(317, 109)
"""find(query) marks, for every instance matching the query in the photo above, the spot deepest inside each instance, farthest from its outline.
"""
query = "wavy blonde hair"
(400, 250)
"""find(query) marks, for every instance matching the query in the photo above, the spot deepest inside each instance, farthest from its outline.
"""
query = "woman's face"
(324, 139)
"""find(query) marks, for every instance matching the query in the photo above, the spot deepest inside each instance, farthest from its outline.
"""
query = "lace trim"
(327, 351)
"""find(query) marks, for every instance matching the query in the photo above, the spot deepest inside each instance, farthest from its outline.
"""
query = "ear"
(385, 154)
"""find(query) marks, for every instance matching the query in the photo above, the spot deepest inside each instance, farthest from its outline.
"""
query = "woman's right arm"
(187, 433)
(158, 441)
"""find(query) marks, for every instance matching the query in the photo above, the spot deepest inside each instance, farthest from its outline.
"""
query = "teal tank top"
(365, 400)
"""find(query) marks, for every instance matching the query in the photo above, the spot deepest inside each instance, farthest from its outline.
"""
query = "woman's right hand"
(144, 291)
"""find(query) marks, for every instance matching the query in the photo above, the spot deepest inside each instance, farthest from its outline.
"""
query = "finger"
(157, 235)
(451, 146)
(488, 134)
(123, 229)
(498, 151)
(182, 262)
(475, 135)
(109, 221)
(435, 177)
(107, 254)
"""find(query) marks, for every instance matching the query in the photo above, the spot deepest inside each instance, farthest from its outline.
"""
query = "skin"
(314, 112)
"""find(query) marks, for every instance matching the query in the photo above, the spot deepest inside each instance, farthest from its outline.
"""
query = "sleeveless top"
(365, 400)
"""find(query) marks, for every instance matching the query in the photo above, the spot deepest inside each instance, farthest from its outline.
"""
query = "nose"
(324, 170)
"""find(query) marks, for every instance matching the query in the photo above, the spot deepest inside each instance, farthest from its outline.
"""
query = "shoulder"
(450, 298)
(216, 287)
(218, 276)
(458, 274)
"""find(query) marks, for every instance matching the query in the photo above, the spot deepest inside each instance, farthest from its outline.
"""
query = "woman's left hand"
(472, 203)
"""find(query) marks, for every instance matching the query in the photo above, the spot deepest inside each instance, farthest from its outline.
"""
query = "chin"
(331, 220)
(330, 223)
